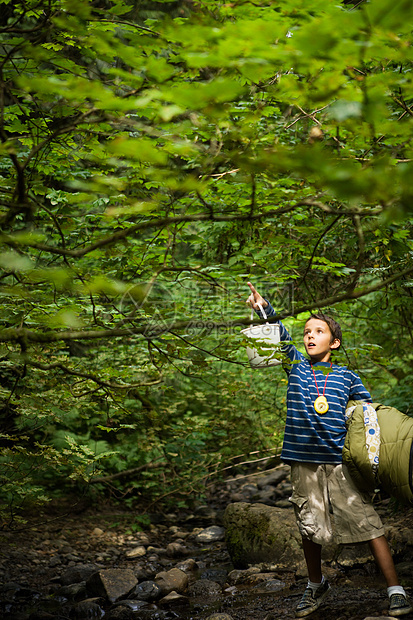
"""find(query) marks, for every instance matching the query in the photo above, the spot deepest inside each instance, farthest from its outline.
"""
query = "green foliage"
(154, 158)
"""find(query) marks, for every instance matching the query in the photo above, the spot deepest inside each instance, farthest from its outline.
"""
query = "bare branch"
(361, 253)
(323, 234)
(128, 472)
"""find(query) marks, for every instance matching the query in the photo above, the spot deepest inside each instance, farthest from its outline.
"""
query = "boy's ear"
(335, 344)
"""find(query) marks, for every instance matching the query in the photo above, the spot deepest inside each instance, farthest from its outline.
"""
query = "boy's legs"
(312, 554)
(356, 521)
(356, 515)
(311, 506)
(381, 552)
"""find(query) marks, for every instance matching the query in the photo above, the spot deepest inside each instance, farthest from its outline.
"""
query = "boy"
(318, 392)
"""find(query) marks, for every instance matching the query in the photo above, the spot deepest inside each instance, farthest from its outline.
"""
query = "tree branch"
(361, 253)
(127, 472)
(200, 217)
(89, 376)
(22, 334)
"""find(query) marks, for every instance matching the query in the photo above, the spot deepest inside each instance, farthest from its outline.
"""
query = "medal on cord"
(321, 403)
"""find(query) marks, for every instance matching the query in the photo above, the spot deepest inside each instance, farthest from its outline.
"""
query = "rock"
(120, 613)
(97, 532)
(269, 585)
(273, 478)
(9, 590)
(153, 614)
(147, 591)
(112, 583)
(256, 578)
(78, 573)
(42, 615)
(215, 533)
(55, 560)
(188, 566)
(405, 569)
(219, 575)
(173, 598)
(143, 538)
(88, 608)
(173, 579)
(355, 555)
(264, 496)
(258, 533)
(282, 503)
(130, 604)
(137, 552)
(73, 592)
(205, 588)
(175, 550)
(242, 576)
(220, 617)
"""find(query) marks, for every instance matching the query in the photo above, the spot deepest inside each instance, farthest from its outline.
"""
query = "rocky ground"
(100, 564)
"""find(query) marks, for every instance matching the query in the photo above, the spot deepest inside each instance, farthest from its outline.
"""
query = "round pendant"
(321, 405)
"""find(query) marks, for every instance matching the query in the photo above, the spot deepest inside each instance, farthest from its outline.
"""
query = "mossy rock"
(256, 533)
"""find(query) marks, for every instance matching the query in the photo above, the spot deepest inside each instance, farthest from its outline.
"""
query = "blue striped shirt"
(310, 437)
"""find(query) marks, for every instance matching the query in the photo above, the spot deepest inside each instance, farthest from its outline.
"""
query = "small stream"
(54, 571)
(216, 591)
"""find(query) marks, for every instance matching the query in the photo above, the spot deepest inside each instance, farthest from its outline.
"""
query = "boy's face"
(318, 340)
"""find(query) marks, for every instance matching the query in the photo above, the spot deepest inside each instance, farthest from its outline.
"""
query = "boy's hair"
(335, 328)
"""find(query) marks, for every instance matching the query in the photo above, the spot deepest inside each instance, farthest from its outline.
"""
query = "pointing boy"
(317, 395)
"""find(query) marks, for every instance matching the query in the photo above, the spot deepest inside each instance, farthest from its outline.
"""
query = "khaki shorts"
(315, 489)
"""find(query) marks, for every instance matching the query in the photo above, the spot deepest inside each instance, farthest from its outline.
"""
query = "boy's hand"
(255, 298)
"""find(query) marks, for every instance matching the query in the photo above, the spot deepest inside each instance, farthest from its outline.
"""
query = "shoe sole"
(307, 612)
(400, 612)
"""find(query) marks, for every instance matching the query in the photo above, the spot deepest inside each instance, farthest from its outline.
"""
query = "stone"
(137, 552)
(282, 503)
(205, 588)
(78, 573)
(120, 613)
(258, 533)
(354, 555)
(214, 533)
(405, 569)
(241, 576)
(113, 583)
(256, 578)
(173, 579)
(131, 604)
(188, 566)
(73, 592)
(270, 585)
(173, 598)
(273, 478)
(175, 550)
(219, 575)
(88, 608)
(147, 591)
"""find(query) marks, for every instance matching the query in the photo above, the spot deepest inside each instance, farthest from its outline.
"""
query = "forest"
(155, 156)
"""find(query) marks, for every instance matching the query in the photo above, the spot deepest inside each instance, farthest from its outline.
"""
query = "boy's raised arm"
(255, 298)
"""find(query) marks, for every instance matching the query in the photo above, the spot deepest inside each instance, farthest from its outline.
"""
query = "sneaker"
(399, 605)
(312, 600)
